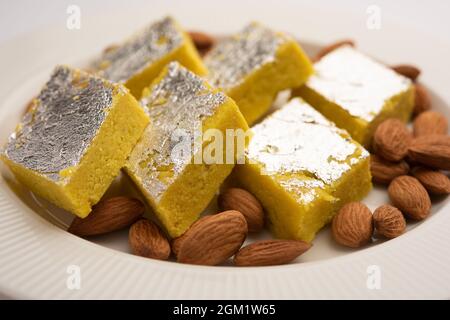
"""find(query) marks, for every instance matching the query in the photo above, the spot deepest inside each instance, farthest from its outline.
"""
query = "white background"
(21, 16)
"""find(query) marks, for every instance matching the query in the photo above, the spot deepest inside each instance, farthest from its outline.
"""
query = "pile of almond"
(211, 240)
(411, 163)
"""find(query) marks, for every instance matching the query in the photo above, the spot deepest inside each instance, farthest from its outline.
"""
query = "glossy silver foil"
(232, 59)
(177, 105)
(356, 82)
(139, 52)
(302, 150)
(68, 113)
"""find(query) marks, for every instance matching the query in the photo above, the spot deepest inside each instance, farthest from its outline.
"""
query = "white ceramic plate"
(36, 253)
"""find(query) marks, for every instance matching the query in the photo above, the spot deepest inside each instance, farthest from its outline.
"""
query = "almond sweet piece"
(389, 221)
(422, 100)
(244, 202)
(147, 240)
(108, 215)
(408, 195)
(270, 252)
(213, 239)
(327, 49)
(430, 122)
(434, 181)
(407, 70)
(353, 225)
(431, 150)
(384, 171)
(391, 140)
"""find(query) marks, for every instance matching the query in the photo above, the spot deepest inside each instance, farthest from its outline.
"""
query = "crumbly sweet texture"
(138, 61)
(303, 169)
(357, 93)
(177, 186)
(254, 65)
(73, 142)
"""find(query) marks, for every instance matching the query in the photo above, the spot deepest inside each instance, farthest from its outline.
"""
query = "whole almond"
(434, 181)
(353, 226)
(407, 70)
(244, 202)
(408, 195)
(331, 47)
(270, 252)
(202, 41)
(213, 239)
(430, 122)
(108, 215)
(422, 100)
(431, 150)
(391, 140)
(389, 221)
(147, 240)
(384, 171)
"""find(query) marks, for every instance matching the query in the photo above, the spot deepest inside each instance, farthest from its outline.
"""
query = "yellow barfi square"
(170, 164)
(357, 93)
(254, 65)
(303, 169)
(139, 60)
(75, 139)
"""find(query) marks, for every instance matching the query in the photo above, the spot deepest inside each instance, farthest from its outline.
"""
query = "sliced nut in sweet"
(391, 140)
(213, 239)
(384, 171)
(407, 70)
(147, 240)
(353, 225)
(431, 150)
(108, 215)
(326, 50)
(430, 122)
(270, 252)
(434, 181)
(244, 202)
(408, 195)
(389, 221)
(422, 100)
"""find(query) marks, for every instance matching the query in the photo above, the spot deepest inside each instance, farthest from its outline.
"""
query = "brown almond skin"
(429, 123)
(331, 47)
(431, 150)
(147, 240)
(384, 171)
(108, 215)
(353, 225)
(422, 100)
(270, 253)
(202, 41)
(391, 140)
(213, 239)
(407, 70)
(434, 181)
(408, 195)
(244, 202)
(389, 221)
